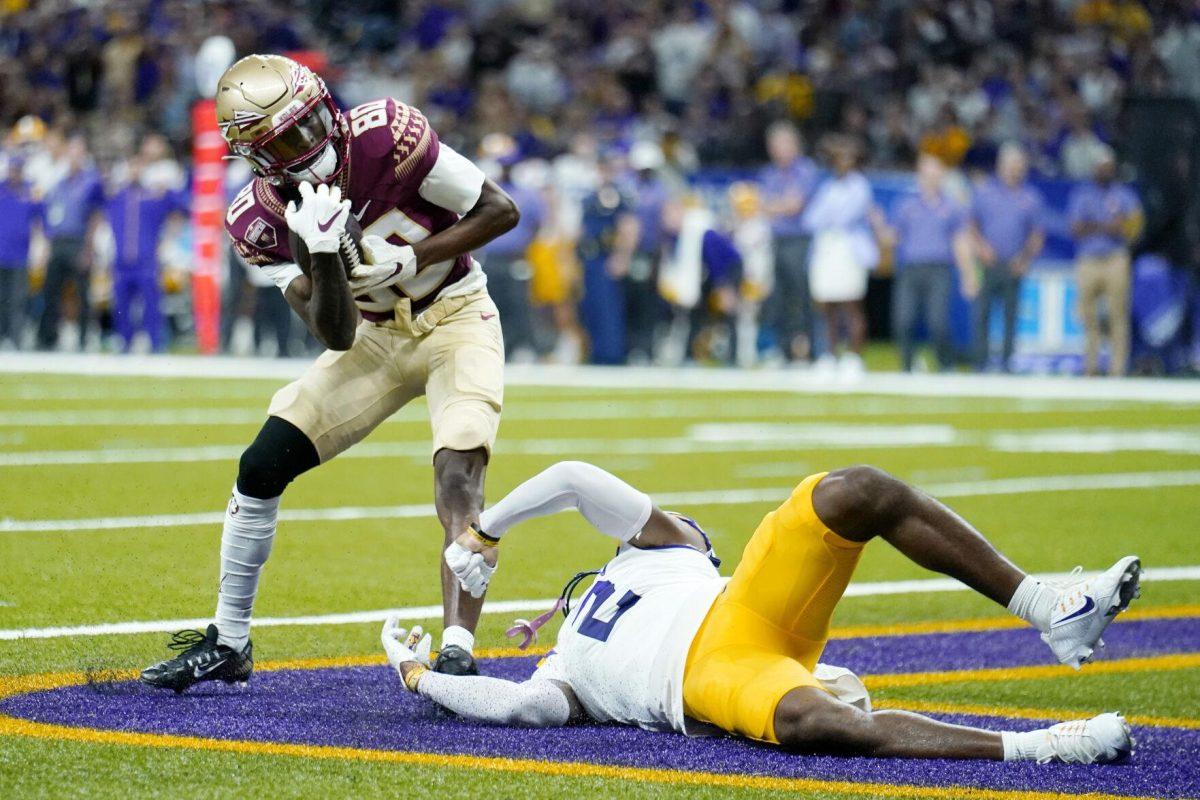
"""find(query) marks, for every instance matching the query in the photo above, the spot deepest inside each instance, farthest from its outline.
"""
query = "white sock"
(1022, 746)
(245, 545)
(1033, 601)
(458, 636)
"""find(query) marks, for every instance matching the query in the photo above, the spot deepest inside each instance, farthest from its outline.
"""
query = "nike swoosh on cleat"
(199, 673)
(327, 224)
(1079, 612)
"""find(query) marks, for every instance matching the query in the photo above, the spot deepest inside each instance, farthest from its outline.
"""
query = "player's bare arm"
(323, 301)
(493, 215)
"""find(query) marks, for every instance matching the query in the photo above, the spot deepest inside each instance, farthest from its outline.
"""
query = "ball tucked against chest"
(350, 251)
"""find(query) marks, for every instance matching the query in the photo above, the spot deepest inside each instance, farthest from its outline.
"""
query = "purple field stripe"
(1012, 647)
(365, 707)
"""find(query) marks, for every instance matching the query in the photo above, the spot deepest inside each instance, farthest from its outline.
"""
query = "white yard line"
(865, 589)
(1066, 483)
(705, 439)
(1098, 440)
(1147, 390)
(108, 417)
(708, 437)
(931, 585)
(685, 407)
(164, 625)
(713, 497)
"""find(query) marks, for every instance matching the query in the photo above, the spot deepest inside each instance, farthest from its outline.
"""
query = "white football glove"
(471, 569)
(321, 218)
(402, 645)
(385, 265)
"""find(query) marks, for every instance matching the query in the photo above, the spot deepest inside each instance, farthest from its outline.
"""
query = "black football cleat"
(453, 660)
(202, 659)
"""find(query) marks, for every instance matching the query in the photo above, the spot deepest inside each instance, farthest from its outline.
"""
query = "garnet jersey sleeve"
(405, 186)
(255, 223)
(393, 148)
(406, 154)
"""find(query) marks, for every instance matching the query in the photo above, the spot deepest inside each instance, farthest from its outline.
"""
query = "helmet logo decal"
(300, 75)
(242, 119)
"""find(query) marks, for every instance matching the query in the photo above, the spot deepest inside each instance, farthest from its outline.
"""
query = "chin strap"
(530, 629)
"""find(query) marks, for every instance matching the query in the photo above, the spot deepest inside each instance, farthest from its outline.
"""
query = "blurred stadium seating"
(575, 85)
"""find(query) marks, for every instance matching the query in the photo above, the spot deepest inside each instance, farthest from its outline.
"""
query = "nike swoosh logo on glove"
(327, 224)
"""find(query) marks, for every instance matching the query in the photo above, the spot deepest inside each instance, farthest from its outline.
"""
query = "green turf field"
(96, 473)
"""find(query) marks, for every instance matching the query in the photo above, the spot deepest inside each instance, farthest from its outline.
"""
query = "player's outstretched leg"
(859, 503)
(458, 495)
(810, 720)
(279, 453)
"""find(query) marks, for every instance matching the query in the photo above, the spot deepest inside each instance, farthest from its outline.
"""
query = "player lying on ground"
(662, 642)
(414, 319)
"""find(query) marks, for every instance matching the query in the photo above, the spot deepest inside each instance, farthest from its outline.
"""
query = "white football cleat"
(1098, 740)
(1085, 608)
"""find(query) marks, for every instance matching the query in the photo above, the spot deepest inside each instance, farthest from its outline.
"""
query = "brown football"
(350, 252)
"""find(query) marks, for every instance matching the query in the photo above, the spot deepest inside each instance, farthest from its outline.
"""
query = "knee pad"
(278, 454)
(467, 425)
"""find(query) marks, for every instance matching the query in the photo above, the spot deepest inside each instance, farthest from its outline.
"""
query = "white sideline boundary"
(706, 438)
(712, 497)
(866, 589)
(564, 408)
(1148, 390)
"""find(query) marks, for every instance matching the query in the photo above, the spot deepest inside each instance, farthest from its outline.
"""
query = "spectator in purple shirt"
(19, 213)
(787, 186)
(139, 213)
(74, 207)
(928, 233)
(1105, 217)
(1006, 235)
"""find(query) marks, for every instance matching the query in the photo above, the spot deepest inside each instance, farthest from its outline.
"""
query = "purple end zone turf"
(365, 707)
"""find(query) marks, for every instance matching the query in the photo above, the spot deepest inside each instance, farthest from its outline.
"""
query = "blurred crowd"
(603, 119)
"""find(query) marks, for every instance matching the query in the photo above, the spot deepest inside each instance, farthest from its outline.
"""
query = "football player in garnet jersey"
(415, 318)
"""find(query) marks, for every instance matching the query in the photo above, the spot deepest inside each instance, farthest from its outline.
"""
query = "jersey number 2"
(599, 629)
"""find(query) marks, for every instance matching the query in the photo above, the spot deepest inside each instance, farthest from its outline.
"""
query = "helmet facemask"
(304, 149)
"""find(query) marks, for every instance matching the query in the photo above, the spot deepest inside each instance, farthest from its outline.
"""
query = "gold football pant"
(452, 352)
(763, 635)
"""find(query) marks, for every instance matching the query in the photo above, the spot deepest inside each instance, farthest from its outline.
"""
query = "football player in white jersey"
(662, 641)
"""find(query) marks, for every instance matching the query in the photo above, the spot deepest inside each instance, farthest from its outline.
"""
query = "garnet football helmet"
(278, 115)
